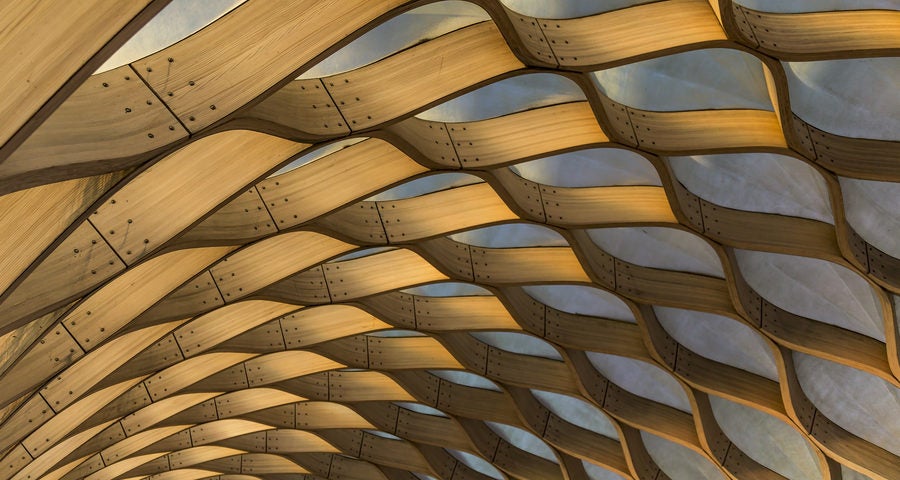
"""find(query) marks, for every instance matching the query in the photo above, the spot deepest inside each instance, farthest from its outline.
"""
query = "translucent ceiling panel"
(512, 235)
(523, 440)
(424, 185)
(581, 300)
(379, 433)
(519, 343)
(577, 412)
(871, 209)
(420, 408)
(477, 463)
(175, 22)
(659, 247)
(865, 405)
(447, 289)
(714, 78)
(719, 338)
(507, 96)
(365, 252)
(759, 182)
(466, 378)
(595, 167)
(767, 440)
(797, 6)
(814, 288)
(853, 97)
(596, 472)
(642, 379)
(317, 153)
(568, 8)
(398, 33)
(679, 462)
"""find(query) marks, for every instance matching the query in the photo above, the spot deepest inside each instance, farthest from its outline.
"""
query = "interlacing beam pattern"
(417, 239)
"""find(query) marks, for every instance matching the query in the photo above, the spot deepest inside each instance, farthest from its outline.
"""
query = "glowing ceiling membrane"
(399, 240)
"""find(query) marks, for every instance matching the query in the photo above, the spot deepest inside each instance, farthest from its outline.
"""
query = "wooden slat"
(112, 307)
(526, 134)
(335, 180)
(421, 75)
(442, 212)
(33, 34)
(605, 205)
(31, 219)
(189, 182)
(112, 116)
(706, 131)
(823, 35)
(220, 69)
(630, 32)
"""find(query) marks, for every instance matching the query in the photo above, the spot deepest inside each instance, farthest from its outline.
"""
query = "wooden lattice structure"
(171, 309)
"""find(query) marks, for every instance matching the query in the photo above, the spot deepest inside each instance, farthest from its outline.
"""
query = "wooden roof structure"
(211, 265)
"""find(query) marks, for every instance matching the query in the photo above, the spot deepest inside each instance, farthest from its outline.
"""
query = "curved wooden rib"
(420, 76)
(846, 156)
(519, 136)
(43, 75)
(627, 35)
(674, 133)
(77, 132)
(819, 35)
(203, 92)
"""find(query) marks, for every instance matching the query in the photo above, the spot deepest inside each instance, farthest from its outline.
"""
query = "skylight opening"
(421, 408)
(511, 235)
(520, 343)
(318, 153)
(593, 167)
(467, 379)
(581, 300)
(448, 289)
(715, 78)
(511, 95)
(425, 185)
(523, 440)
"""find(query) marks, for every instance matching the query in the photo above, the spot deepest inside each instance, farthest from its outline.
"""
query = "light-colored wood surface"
(226, 66)
(691, 131)
(187, 317)
(521, 135)
(418, 76)
(191, 181)
(626, 33)
(605, 205)
(35, 217)
(32, 36)
(821, 35)
(78, 131)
